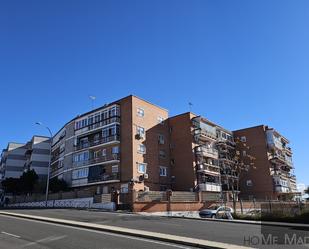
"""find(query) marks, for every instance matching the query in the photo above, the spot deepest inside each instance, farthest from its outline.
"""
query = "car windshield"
(213, 207)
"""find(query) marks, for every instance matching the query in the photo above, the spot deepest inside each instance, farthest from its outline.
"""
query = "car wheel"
(213, 216)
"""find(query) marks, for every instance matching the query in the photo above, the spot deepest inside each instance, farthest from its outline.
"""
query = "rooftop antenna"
(92, 100)
(190, 106)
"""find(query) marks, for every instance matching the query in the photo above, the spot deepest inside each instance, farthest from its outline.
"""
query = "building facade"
(271, 176)
(120, 146)
(131, 144)
(19, 157)
(202, 157)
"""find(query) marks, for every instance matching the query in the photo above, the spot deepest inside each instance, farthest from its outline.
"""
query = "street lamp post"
(49, 160)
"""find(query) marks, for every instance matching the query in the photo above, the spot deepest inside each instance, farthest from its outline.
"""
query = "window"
(96, 138)
(80, 173)
(115, 169)
(161, 139)
(160, 120)
(163, 187)
(96, 154)
(115, 150)
(141, 168)
(243, 139)
(163, 171)
(244, 153)
(140, 112)
(103, 152)
(162, 153)
(111, 131)
(124, 188)
(223, 135)
(84, 156)
(140, 131)
(249, 183)
(141, 148)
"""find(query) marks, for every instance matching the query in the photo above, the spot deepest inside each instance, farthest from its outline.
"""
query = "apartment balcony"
(55, 172)
(280, 159)
(101, 159)
(207, 152)
(282, 189)
(229, 174)
(276, 158)
(204, 135)
(104, 140)
(94, 126)
(210, 186)
(208, 169)
(287, 150)
(105, 178)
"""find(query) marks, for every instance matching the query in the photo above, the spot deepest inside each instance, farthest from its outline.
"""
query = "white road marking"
(173, 239)
(101, 232)
(47, 239)
(10, 234)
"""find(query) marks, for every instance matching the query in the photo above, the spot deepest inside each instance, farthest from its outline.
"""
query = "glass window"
(141, 168)
(162, 153)
(163, 171)
(140, 131)
(103, 152)
(115, 169)
(115, 150)
(96, 154)
(161, 139)
(140, 112)
(160, 120)
(80, 173)
(142, 148)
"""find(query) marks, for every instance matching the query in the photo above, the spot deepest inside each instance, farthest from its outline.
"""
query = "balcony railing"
(105, 177)
(205, 134)
(57, 171)
(204, 167)
(209, 186)
(113, 157)
(207, 152)
(115, 119)
(93, 143)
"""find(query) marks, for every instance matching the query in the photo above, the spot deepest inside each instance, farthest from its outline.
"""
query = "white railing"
(212, 187)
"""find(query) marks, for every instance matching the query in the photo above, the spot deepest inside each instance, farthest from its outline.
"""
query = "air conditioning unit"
(145, 176)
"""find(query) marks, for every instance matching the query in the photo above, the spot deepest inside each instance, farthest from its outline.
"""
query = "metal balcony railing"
(97, 142)
(207, 152)
(115, 119)
(100, 159)
(105, 177)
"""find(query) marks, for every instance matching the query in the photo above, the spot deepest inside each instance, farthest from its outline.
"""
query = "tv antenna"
(190, 106)
(93, 98)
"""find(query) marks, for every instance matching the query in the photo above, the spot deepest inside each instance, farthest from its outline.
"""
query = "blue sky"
(241, 63)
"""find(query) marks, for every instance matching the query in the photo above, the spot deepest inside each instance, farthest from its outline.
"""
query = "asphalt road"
(233, 233)
(20, 233)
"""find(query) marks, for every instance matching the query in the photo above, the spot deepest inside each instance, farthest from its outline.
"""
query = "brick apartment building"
(19, 157)
(272, 175)
(120, 146)
(131, 144)
(202, 156)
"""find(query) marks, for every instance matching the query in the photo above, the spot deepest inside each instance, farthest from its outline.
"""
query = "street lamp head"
(38, 123)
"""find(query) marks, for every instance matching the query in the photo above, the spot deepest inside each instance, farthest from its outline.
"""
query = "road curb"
(250, 222)
(131, 232)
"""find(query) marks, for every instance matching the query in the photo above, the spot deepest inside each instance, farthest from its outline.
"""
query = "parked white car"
(216, 212)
